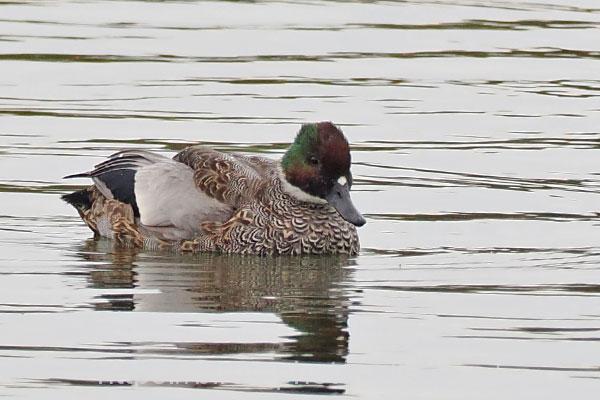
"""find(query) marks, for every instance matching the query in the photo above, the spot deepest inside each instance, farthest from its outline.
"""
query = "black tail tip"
(81, 175)
(79, 199)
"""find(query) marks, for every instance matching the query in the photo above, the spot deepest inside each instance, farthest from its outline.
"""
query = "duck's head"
(317, 166)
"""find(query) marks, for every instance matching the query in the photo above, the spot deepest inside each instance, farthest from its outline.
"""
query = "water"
(475, 132)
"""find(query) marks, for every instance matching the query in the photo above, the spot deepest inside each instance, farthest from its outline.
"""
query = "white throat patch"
(298, 193)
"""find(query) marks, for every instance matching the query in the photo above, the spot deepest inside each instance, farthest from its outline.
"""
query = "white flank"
(168, 197)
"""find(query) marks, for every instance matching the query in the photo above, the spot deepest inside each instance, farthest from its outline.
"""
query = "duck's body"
(203, 200)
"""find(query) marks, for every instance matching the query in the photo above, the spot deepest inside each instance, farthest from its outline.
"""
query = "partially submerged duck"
(203, 200)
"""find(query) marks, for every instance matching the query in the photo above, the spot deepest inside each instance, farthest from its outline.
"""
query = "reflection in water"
(306, 292)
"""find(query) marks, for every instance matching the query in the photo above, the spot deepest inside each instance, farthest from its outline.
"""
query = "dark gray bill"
(339, 198)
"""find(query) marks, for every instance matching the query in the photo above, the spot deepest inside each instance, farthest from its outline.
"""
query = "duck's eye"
(314, 160)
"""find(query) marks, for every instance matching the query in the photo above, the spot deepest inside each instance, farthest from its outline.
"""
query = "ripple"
(542, 52)
(523, 216)
(481, 24)
(527, 143)
(465, 179)
(532, 290)
(122, 114)
(538, 368)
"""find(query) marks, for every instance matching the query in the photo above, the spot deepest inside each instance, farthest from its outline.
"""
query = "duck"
(204, 200)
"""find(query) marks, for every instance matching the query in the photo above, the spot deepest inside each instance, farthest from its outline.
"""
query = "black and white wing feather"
(115, 177)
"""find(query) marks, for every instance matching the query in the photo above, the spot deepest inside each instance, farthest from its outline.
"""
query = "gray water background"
(475, 130)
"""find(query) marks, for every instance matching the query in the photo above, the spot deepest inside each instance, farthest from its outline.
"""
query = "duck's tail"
(80, 199)
(83, 201)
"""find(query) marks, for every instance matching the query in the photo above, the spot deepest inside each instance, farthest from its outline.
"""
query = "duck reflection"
(306, 292)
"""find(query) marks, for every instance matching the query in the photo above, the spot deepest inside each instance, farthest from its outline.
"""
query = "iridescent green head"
(318, 163)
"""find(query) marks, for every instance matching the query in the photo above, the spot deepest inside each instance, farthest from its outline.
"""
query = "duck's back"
(231, 179)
